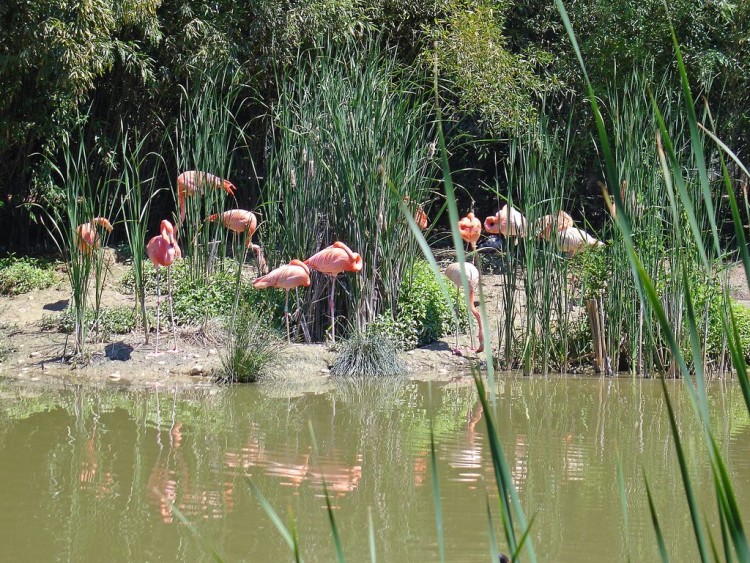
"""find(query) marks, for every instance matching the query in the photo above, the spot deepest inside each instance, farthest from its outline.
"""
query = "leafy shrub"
(119, 320)
(194, 300)
(367, 354)
(593, 268)
(21, 275)
(252, 347)
(423, 315)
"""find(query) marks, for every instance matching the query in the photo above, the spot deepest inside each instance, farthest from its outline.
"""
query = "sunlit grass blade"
(371, 536)
(655, 523)
(436, 496)
(686, 481)
(494, 550)
(274, 517)
(334, 528)
(506, 489)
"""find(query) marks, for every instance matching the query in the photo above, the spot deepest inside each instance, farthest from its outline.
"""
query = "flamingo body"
(544, 225)
(289, 276)
(470, 228)
(87, 236)
(573, 240)
(241, 221)
(335, 259)
(453, 272)
(508, 222)
(192, 182)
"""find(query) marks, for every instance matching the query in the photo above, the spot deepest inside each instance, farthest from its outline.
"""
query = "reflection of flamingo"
(86, 236)
(332, 261)
(243, 222)
(339, 479)
(453, 272)
(192, 182)
(161, 251)
(294, 274)
(470, 228)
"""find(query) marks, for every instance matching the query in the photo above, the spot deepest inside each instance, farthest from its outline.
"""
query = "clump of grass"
(367, 354)
(22, 274)
(252, 347)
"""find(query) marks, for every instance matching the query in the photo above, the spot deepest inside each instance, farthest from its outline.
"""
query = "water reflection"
(77, 464)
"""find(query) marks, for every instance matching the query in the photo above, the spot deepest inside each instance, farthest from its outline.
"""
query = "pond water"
(91, 475)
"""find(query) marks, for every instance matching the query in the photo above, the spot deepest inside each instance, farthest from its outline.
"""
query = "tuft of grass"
(367, 354)
(22, 274)
(252, 347)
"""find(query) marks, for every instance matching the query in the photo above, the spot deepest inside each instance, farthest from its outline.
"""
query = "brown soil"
(126, 360)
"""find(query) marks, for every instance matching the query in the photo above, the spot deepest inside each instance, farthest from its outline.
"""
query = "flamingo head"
(167, 232)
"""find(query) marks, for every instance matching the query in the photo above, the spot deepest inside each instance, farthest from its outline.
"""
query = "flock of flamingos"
(337, 258)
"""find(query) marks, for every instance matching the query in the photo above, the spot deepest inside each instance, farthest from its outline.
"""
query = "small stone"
(19, 362)
(115, 376)
(25, 369)
(442, 371)
(196, 370)
(411, 352)
(34, 378)
(325, 370)
(213, 351)
(162, 363)
(35, 354)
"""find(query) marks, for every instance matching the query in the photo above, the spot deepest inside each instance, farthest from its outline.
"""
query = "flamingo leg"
(171, 306)
(471, 332)
(158, 310)
(331, 308)
(286, 316)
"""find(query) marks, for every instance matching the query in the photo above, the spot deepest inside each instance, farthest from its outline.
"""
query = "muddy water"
(92, 475)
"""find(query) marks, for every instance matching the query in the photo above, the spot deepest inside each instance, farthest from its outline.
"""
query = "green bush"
(252, 347)
(195, 300)
(367, 354)
(120, 320)
(423, 315)
(21, 275)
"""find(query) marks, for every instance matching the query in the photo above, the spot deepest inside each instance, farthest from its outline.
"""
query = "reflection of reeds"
(347, 127)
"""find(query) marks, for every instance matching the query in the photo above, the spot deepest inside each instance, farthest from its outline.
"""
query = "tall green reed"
(85, 192)
(684, 203)
(347, 126)
(137, 178)
(205, 139)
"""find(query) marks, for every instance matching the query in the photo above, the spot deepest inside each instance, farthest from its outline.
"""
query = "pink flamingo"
(87, 237)
(192, 182)
(453, 272)
(508, 222)
(243, 222)
(543, 226)
(470, 228)
(292, 275)
(332, 261)
(162, 250)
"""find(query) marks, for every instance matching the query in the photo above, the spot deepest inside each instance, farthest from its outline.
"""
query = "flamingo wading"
(294, 274)
(453, 272)
(161, 250)
(331, 261)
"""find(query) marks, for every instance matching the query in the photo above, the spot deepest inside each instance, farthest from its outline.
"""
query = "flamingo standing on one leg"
(161, 250)
(243, 222)
(453, 272)
(192, 182)
(470, 228)
(87, 237)
(332, 261)
(292, 275)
